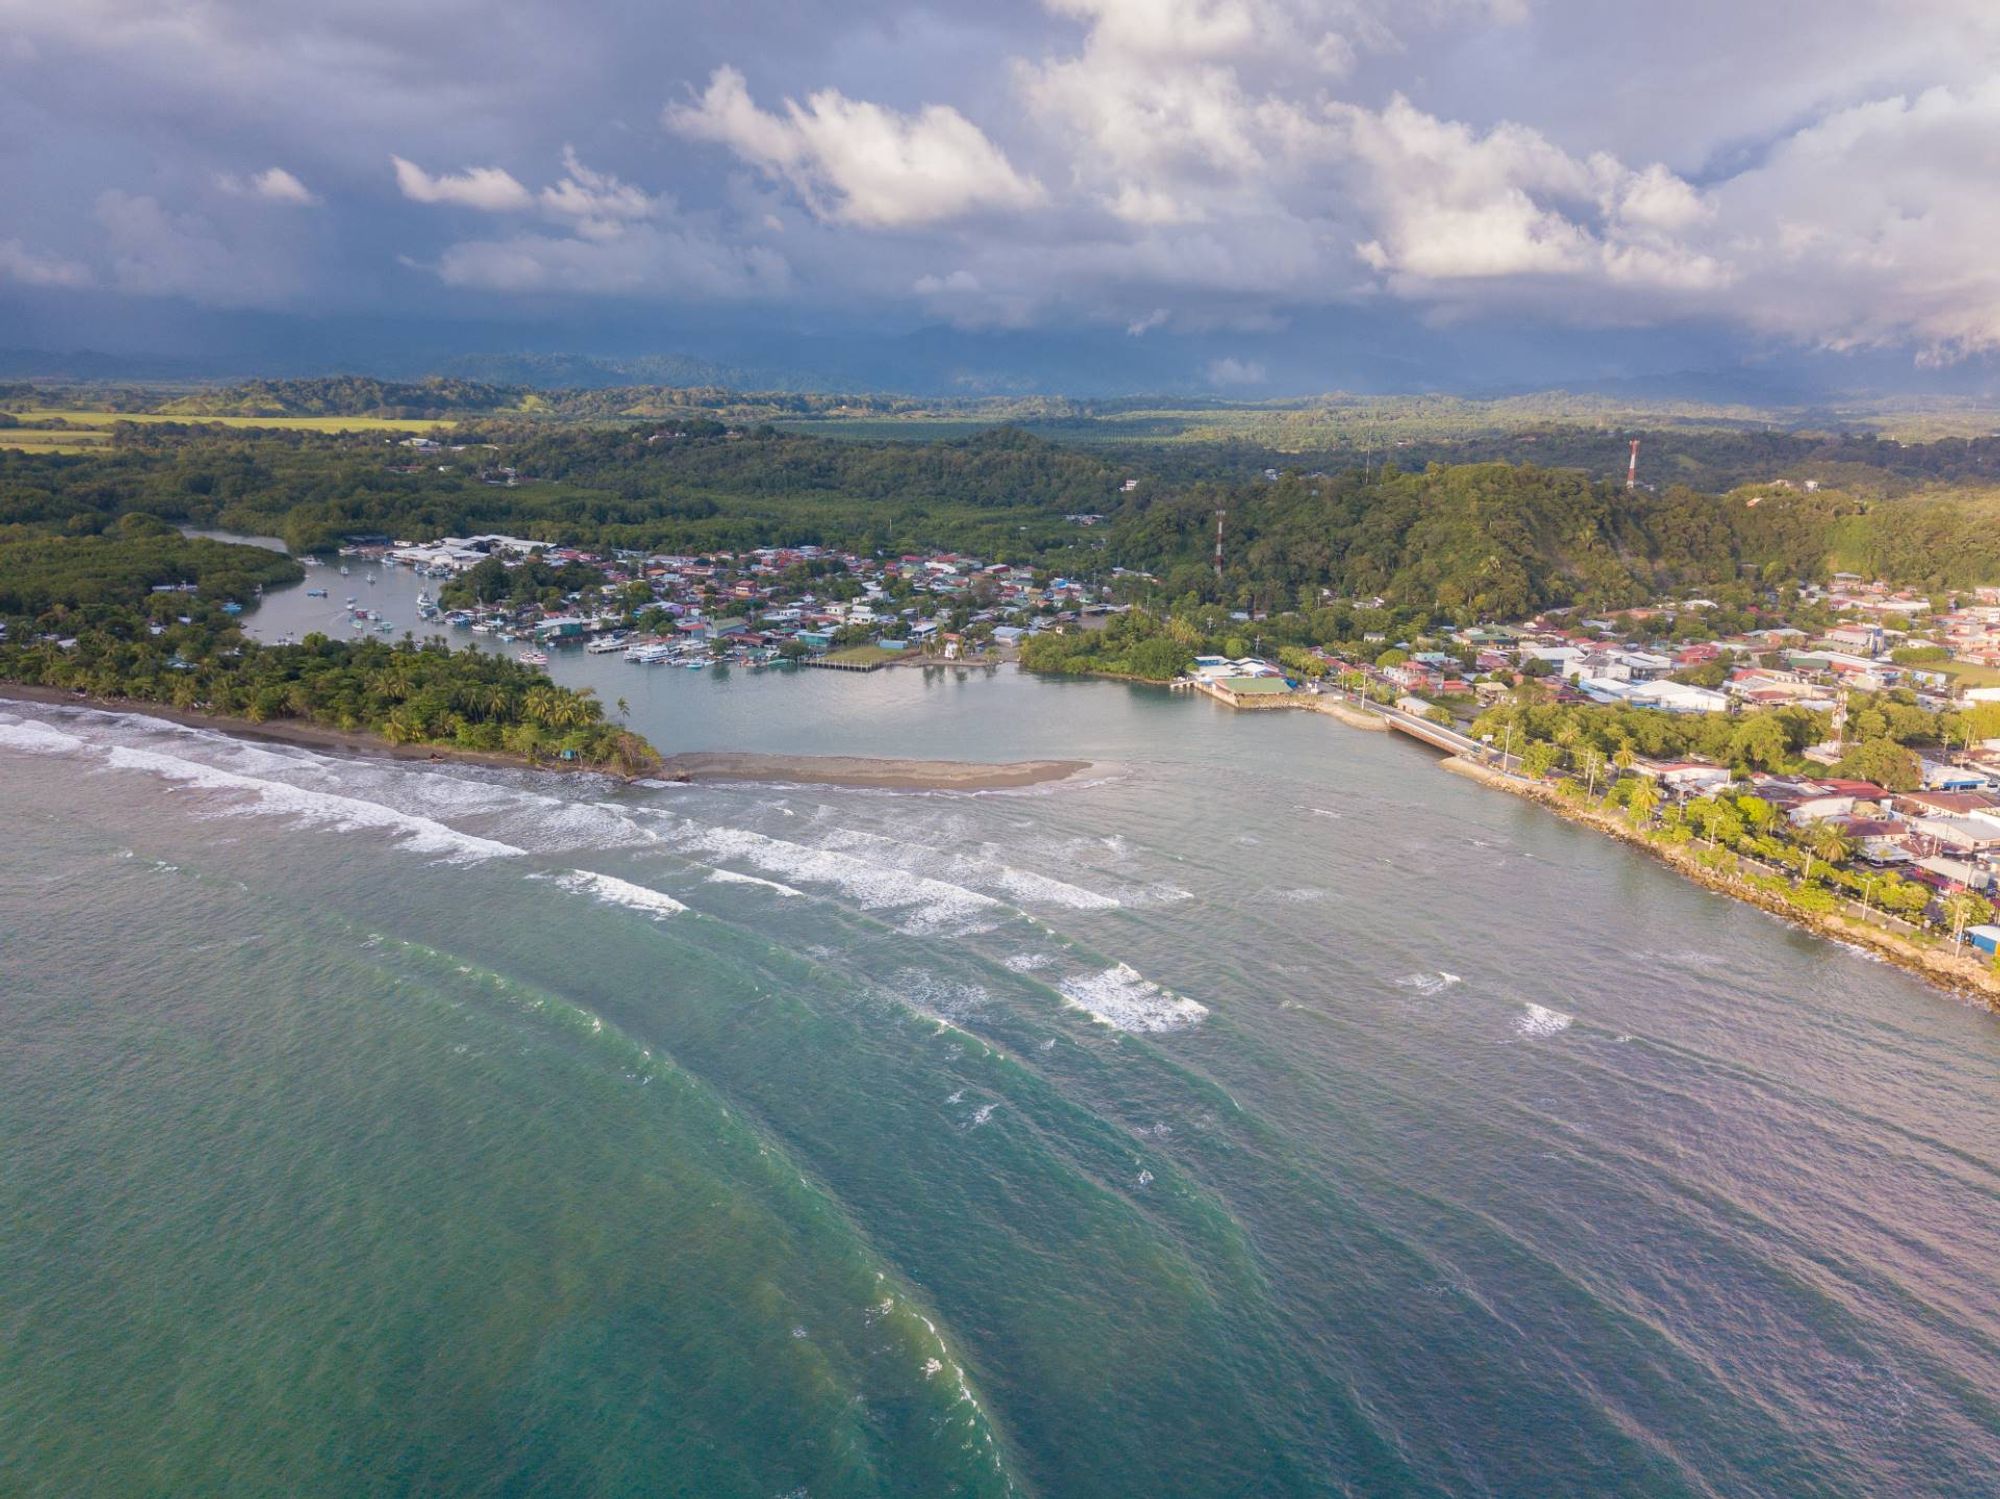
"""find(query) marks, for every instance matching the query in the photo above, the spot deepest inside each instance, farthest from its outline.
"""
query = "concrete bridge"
(1436, 735)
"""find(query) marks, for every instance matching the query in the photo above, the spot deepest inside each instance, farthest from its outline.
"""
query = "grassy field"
(51, 442)
(100, 422)
(1967, 673)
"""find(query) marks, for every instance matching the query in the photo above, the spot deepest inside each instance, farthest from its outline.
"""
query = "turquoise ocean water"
(1261, 1113)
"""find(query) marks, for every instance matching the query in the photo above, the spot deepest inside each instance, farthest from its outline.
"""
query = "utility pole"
(1632, 469)
(1220, 515)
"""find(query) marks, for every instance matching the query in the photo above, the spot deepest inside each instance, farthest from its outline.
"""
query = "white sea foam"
(981, 1114)
(32, 737)
(1538, 1021)
(930, 905)
(969, 870)
(939, 998)
(731, 877)
(1126, 1000)
(617, 892)
(1429, 983)
(421, 835)
(1027, 962)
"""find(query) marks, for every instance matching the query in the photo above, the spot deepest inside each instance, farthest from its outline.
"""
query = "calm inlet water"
(1263, 1113)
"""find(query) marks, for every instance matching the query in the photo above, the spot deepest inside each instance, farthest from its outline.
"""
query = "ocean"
(1261, 1112)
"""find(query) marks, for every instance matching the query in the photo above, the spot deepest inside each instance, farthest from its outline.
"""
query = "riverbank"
(868, 772)
(1937, 965)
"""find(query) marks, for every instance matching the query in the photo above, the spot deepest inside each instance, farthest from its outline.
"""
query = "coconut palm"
(1824, 840)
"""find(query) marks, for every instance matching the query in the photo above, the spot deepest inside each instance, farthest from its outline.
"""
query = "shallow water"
(1262, 1112)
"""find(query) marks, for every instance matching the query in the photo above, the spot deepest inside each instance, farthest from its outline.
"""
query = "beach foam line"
(32, 737)
(1125, 999)
(614, 891)
(421, 835)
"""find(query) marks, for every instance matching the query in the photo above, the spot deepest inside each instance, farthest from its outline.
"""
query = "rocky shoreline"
(1947, 970)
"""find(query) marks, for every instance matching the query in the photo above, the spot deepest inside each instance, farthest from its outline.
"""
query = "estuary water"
(1262, 1112)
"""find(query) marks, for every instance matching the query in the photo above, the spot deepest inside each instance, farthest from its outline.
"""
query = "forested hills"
(1484, 539)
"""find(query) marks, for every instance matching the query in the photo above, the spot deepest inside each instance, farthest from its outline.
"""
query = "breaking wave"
(614, 891)
(35, 738)
(930, 906)
(731, 877)
(1429, 983)
(421, 835)
(1538, 1021)
(1126, 1000)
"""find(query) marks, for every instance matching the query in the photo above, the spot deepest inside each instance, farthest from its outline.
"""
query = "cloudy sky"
(1640, 183)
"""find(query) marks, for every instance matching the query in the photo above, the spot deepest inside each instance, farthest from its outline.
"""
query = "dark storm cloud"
(1147, 167)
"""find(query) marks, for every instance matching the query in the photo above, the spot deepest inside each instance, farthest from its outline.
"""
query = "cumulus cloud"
(596, 203)
(21, 265)
(1133, 164)
(857, 162)
(273, 185)
(488, 189)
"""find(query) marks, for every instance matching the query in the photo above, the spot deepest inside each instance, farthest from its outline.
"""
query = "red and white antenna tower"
(1632, 468)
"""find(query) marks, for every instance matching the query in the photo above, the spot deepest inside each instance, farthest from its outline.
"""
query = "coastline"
(1939, 966)
(353, 742)
(856, 772)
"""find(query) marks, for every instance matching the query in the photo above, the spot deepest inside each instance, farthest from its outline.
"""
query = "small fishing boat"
(345, 569)
(533, 658)
(424, 599)
(315, 593)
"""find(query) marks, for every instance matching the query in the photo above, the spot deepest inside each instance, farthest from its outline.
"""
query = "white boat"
(605, 645)
(344, 569)
(424, 600)
(533, 658)
(482, 628)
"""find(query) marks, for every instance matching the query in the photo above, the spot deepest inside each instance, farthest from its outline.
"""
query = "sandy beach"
(856, 771)
(712, 765)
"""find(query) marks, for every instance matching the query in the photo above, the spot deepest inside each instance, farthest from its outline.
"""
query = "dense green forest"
(80, 613)
(1497, 538)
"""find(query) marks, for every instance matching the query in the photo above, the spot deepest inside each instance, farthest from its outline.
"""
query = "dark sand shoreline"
(868, 772)
(856, 772)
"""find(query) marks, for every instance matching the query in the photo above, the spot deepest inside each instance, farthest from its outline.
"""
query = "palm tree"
(1641, 804)
(542, 704)
(1826, 841)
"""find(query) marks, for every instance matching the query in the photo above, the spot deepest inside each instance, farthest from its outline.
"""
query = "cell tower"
(1219, 515)
(1632, 468)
